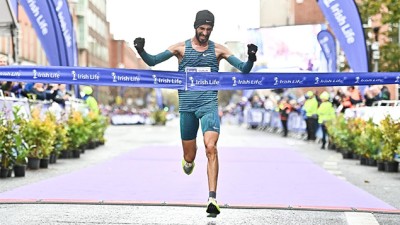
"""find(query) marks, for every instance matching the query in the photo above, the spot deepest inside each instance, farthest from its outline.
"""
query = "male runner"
(200, 106)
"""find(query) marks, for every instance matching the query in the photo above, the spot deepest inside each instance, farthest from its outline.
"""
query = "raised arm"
(151, 60)
(245, 67)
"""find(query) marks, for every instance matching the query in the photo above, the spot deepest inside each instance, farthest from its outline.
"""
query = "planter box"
(392, 166)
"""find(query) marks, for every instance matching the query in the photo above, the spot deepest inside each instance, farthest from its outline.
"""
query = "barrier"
(377, 112)
(194, 81)
(7, 104)
(270, 121)
(133, 119)
(255, 118)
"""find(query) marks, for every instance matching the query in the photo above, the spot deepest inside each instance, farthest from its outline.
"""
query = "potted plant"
(21, 159)
(159, 117)
(76, 132)
(342, 136)
(355, 127)
(21, 147)
(47, 144)
(96, 125)
(60, 138)
(40, 135)
(103, 123)
(391, 140)
(6, 147)
(332, 134)
(369, 143)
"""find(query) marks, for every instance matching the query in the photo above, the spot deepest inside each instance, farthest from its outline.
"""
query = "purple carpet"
(248, 177)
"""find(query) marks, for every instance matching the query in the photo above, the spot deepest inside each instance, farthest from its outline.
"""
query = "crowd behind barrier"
(268, 120)
(8, 103)
(265, 112)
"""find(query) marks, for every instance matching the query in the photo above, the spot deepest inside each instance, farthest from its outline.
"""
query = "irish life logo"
(45, 75)
(330, 81)
(293, 82)
(124, 78)
(85, 76)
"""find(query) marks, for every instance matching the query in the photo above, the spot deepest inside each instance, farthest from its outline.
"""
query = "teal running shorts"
(189, 122)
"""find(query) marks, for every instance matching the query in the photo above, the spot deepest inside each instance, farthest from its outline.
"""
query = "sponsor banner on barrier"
(229, 81)
(94, 76)
(195, 81)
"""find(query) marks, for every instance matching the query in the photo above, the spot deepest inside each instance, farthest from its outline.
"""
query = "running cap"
(204, 17)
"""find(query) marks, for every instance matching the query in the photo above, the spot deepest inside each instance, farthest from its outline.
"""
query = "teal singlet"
(205, 101)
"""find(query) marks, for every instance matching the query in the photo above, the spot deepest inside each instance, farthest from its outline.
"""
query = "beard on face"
(202, 41)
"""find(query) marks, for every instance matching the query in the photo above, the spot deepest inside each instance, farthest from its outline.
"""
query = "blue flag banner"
(65, 30)
(345, 21)
(41, 19)
(193, 81)
(328, 46)
(52, 22)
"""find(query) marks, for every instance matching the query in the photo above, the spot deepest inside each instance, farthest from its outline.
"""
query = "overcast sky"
(166, 22)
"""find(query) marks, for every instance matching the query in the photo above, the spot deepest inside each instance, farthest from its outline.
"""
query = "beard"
(203, 39)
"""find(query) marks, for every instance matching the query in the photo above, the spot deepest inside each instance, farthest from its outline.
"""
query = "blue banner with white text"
(65, 30)
(41, 18)
(193, 81)
(345, 21)
(52, 22)
(328, 46)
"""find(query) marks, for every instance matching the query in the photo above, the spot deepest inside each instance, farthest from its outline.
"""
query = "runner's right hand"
(139, 44)
(251, 51)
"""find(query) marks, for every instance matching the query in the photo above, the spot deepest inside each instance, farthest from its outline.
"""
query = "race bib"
(198, 69)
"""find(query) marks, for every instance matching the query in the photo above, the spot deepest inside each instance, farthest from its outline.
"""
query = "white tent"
(9, 25)
(8, 19)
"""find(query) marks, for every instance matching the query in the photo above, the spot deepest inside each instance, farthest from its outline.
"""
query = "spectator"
(62, 94)
(3, 60)
(256, 102)
(325, 113)
(42, 92)
(284, 110)
(384, 94)
(310, 108)
(371, 95)
(337, 99)
(5, 85)
(90, 100)
(355, 95)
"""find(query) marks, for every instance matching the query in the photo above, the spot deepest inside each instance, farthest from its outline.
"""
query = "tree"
(388, 11)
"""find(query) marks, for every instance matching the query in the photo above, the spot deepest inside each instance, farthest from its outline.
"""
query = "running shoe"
(212, 207)
(187, 167)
